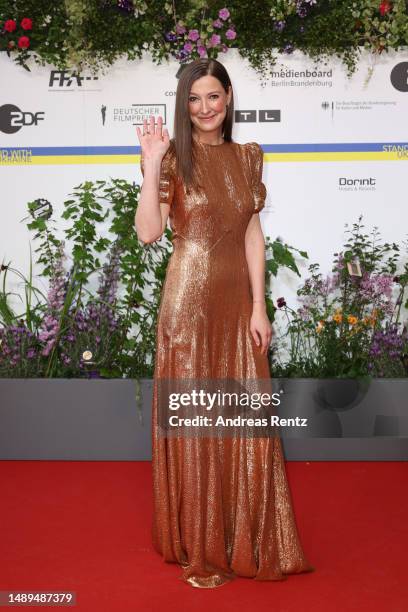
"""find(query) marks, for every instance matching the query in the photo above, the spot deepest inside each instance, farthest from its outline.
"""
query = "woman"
(222, 507)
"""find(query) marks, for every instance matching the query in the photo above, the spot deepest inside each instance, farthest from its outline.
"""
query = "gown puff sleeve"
(256, 165)
(167, 176)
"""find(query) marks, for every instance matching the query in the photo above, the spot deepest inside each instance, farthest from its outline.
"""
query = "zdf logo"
(13, 119)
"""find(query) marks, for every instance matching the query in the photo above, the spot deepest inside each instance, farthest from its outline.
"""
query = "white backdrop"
(334, 147)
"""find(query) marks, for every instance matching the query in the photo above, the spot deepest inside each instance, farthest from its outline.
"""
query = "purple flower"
(170, 36)
(304, 313)
(377, 289)
(188, 47)
(230, 34)
(301, 11)
(217, 23)
(223, 14)
(387, 349)
(202, 51)
(183, 54)
(125, 5)
(279, 25)
(55, 301)
(30, 353)
(289, 48)
(193, 35)
(214, 40)
(44, 335)
(180, 29)
(281, 302)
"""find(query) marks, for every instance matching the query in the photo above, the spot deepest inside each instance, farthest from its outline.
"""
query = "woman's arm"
(260, 326)
(151, 216)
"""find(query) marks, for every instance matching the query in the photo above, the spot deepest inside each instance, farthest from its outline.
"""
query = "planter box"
(353, 420)
(100, 420)
(75, 419)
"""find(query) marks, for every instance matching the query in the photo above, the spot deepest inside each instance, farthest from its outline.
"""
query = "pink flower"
(193, 35)
(230, 34)
(26, 23)
(214, 40)
(224, 14)
(217, 23)
(10, 25)
(202, 51)
(188, 47)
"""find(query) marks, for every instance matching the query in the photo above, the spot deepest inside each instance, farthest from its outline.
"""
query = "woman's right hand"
(154, 140)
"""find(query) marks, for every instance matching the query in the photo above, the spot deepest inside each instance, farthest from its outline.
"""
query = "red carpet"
(85, 527)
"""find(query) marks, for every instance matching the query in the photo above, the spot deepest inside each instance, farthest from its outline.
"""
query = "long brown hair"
(182, 140)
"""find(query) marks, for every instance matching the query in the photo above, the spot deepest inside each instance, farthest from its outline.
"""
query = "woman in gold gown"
(222, 506)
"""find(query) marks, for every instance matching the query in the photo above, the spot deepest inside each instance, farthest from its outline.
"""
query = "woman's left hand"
(261, 328)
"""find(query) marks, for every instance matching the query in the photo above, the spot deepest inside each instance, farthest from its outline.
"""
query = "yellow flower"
(352, 320)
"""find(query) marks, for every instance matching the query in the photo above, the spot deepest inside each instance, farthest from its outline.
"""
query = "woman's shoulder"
(253, 147)
(252, 151)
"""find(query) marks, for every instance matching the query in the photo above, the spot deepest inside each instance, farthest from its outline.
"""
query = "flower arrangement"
(348, 324)
(15, 34)
(188, 41)
(92, 34)
(75, 330)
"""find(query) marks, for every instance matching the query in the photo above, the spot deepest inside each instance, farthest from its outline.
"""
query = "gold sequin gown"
(222, 508)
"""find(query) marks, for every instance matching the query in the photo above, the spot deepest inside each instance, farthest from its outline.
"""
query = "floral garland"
(93, 34)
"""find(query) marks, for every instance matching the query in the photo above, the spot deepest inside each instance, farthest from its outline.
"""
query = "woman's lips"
(207, 118)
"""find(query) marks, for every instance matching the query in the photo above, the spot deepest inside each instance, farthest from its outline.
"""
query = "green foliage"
(129, 349)
(349, 323)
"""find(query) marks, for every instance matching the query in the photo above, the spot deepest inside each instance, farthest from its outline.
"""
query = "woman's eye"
(193, 98)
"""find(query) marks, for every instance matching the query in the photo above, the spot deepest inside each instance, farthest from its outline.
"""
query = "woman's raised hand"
(154, 140)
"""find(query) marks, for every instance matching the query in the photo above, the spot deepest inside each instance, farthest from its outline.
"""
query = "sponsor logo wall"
(333, 147)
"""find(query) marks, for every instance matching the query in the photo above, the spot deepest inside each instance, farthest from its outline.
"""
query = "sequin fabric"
(222, 507)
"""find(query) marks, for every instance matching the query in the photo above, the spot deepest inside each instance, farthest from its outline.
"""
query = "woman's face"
(207, 106)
